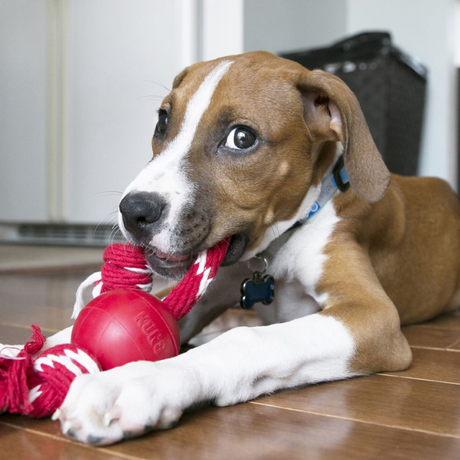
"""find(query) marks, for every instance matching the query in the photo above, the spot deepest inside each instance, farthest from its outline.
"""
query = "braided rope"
(126, 267)
(131, 259)
(184, 296)
(37, 387)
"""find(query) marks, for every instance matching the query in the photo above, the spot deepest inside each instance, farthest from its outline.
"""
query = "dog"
(247, 147)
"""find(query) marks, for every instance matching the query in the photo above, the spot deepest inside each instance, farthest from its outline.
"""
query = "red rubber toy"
(135, 324)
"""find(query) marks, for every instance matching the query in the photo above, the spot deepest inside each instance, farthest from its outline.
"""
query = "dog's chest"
(297, 266)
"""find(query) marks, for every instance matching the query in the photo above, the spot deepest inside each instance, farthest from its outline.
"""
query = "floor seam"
(69, 441)
(418, 378)
(418, 430)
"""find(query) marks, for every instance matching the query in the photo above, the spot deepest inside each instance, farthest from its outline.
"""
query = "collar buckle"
(340, 175)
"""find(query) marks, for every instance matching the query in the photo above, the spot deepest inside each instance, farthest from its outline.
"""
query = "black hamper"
(390, 86)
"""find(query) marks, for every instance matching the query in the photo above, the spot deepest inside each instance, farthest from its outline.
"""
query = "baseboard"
(59, 234)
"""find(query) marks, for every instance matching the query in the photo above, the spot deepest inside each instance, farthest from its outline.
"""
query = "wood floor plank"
(404, 403)
(446, 321)
(251, 431)
(436, 365)
(430, 337)
(13, 335)
(15, 258)
(46, 300)
(19, 444)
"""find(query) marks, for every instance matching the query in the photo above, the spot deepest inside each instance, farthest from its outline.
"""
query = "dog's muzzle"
(144, 215)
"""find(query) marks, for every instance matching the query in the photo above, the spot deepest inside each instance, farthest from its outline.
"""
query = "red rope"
(125, 267)
(120, 261)
(184, 296)
(14, 373)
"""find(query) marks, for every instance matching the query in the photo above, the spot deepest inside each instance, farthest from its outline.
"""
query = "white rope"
(95, 281)
(84, 360)
(87, 283)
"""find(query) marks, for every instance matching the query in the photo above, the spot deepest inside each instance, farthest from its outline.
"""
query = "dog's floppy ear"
(332, 112)
(179, 77)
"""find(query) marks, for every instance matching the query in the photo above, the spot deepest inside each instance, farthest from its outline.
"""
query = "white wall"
(117, 66)
(80, 84)
(23, 111)
(221, 24)
(457, 33)
(288, 25)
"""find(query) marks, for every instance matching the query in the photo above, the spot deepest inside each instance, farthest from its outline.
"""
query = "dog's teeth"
(56, 415)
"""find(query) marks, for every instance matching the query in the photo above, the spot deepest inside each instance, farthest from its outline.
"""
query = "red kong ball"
(126, 325)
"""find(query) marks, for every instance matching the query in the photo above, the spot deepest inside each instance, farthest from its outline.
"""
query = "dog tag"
(258, 289)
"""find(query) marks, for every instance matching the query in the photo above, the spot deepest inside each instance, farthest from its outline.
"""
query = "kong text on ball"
(126, 325)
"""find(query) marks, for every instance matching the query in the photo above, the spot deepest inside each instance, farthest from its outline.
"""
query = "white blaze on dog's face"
(166, 175)
(239, 143)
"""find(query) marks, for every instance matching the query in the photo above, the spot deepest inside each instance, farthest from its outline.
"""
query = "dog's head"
(238, 144)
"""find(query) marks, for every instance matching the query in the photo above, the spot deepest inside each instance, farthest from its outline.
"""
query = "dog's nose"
(141, 211)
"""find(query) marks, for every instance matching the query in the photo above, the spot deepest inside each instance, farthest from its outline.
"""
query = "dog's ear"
(332, 112)
(179, 77)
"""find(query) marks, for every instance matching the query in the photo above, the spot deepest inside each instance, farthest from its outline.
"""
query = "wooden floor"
(407, 415)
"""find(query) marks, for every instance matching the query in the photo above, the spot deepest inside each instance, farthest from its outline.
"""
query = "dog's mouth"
(175, 266)
(236, 248)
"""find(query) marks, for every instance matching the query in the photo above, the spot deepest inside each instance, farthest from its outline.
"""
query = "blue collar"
(335, 181)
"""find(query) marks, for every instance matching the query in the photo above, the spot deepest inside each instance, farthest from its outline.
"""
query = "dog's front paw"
(122, 403)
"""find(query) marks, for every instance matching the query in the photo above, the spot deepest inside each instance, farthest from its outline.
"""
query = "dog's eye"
(240, 139)
(162, 123)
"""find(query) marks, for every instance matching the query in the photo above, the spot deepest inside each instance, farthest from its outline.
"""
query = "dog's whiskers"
(159, 83)
(114, 232)
(109, 193)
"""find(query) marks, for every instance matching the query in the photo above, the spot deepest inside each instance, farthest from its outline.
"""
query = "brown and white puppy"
(240, 150)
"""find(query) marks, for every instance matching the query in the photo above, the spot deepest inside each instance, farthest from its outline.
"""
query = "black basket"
(390, 86)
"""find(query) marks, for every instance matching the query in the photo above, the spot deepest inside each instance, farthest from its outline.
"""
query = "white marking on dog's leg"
(247, 362)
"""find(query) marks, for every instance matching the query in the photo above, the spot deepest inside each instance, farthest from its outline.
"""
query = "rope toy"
(36, 384)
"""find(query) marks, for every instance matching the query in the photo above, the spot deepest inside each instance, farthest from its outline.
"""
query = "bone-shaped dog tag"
(258, 289)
